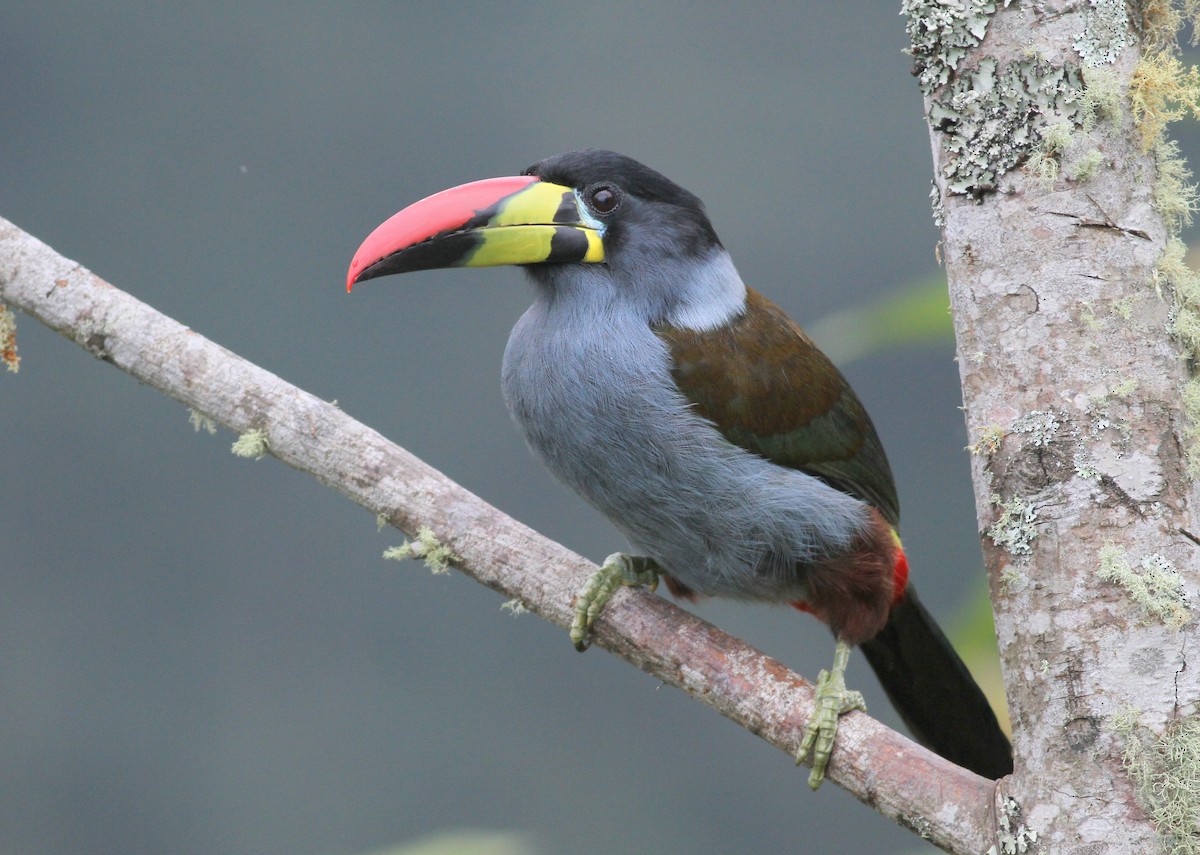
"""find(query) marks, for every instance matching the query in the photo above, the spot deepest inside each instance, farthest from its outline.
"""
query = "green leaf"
(918, 314)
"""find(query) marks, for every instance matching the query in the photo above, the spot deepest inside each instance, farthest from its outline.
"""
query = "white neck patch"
(712, 296)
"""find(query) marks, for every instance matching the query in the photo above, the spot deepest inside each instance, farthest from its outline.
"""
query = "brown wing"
(768, 389)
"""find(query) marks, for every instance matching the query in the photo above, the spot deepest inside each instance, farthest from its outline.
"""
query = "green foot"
(832, 701)
(618, 569)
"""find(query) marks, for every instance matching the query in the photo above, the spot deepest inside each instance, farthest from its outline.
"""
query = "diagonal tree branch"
(944, 803)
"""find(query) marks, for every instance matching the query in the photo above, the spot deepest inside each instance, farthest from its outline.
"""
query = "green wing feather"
(770, 390)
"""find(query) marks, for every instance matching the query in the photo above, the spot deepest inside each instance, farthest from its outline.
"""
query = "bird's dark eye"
(603, 199)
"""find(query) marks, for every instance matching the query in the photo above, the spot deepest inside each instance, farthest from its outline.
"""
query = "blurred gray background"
(203, 654)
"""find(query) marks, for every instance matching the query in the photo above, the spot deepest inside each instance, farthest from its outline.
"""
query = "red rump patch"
(854, 591)
(801, 606)
(899, 575)
(870, 561)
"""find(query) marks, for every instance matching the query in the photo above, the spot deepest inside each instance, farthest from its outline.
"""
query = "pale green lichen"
(920, 824)
(1122, 308)
(936, 205)
(1087, 314)
(941, 32)
(1057, 137)
(1154, 584)
(1043, 167)
(1187, 327)
(381, 521)
(1172, 268)
(1124, 389)
(1191, 408)
(1015, 529)
(1162, 90)
(1191, 395)
(991, 118)
(253, 444)
(991, 437)
(1084, 167)
(1175, 197)
(1102, 419)
(427, 547)
(515, 607)
(1011, 577)
(1165, 770)
(1012, 840)
(1188, 289)
(1086, 470)
(1160, 20)
(1039, 426)
(8, 340)
(1046, 160)
(201, 422)
(1105, 34)
(1101, 99)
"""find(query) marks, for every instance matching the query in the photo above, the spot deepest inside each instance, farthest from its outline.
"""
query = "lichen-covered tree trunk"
(1060, 204)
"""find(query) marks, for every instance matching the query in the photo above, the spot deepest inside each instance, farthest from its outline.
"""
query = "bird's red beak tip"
(441, 212)
(356, 267)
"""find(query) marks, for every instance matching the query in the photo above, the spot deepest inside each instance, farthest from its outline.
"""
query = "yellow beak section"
(539, 224)
(533, 244)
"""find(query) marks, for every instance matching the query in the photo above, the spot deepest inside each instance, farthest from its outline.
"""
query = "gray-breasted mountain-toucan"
(702, 422)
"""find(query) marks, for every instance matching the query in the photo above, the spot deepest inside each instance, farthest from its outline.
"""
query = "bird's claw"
(617, 570)
(832, 701)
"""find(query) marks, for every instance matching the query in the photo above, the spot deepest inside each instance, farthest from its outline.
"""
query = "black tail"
(930, 687)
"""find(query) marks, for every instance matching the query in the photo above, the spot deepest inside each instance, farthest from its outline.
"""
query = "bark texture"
(1072, 385)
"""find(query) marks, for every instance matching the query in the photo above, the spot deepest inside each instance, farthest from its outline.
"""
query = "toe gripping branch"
(618, 570)
(832, 701)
